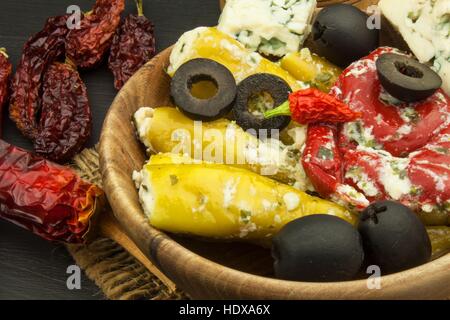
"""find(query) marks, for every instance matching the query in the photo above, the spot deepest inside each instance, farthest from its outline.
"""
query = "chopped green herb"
(442, 150)
(415, 191)
(245, 216)
(323, 77)
(173, 180)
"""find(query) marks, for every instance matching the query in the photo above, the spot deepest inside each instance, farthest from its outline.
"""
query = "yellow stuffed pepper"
(167, 130)
(210, 43)
(311, 69)
(223, 202)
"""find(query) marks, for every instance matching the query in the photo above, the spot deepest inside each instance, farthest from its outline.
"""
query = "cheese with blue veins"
(425, 27)
(272, 27)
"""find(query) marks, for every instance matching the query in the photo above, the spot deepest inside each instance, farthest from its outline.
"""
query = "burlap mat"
(118, 274)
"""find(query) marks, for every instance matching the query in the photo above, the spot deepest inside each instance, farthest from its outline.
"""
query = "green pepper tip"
(282, 110)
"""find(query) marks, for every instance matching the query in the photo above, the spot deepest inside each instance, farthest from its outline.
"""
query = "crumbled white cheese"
(247, 228)
(363, 182)
(349, 195)
(183, 49)
(393, 174)
(143, 118)
(277, 219)
(428, 208)
(229, 191)
(267, 205)
(409, 114)
(272, 27)
(142, 180)
(404, 130)
(291, 200)
(356, 131)
(379, 119)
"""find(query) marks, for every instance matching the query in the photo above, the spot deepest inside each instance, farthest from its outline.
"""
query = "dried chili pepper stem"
(69, 62)
(140, 7)
(3, 52)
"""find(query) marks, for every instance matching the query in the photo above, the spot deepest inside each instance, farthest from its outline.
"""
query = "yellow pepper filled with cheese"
(210, 43)
(222, 202)
(167, 130)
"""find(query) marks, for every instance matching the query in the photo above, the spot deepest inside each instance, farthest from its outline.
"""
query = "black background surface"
(31, 268)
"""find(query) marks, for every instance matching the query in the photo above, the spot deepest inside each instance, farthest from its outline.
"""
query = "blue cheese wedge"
(425, 27)
(272, 27)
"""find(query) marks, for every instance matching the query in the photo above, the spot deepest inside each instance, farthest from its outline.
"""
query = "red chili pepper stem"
(282, 110)
(140, 7)
(3, 52)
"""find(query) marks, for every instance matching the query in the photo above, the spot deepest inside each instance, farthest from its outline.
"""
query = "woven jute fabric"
(117, 273)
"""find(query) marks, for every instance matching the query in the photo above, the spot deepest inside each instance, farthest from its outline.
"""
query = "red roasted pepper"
(48, 199)
(403, 152)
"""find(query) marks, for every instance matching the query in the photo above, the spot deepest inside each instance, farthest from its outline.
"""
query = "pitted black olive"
(406, 78)
(317, 248)
(393, 236)
(200, 106)
(341, 35)
(255, 95)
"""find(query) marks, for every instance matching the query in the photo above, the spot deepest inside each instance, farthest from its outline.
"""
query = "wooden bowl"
(222, 270)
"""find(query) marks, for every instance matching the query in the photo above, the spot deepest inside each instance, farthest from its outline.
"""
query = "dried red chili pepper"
(65, 123)
(5, 73)
(313, 106)
(133, 45)
(45, 198)
(38, 53)
(86, 45)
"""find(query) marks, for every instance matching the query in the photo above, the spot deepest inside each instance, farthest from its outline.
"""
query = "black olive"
(341, 35)
(256, 85)
(394, 238)
(317, 248)
(208, 71)
(406, 78)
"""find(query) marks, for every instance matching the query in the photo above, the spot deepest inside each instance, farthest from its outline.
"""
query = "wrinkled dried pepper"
(66, 121)
(45, 198)
(39, 52)
(314, 106)
(133, 45)
(5, 73)
(86, 45)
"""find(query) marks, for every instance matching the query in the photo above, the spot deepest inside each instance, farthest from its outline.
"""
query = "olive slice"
(261, 84)
(195, 102)
(405, 78)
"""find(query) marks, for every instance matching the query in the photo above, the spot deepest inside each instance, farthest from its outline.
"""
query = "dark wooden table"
(31, 268)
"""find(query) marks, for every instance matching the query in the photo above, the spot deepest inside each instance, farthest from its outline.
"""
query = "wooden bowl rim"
(212, 272)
